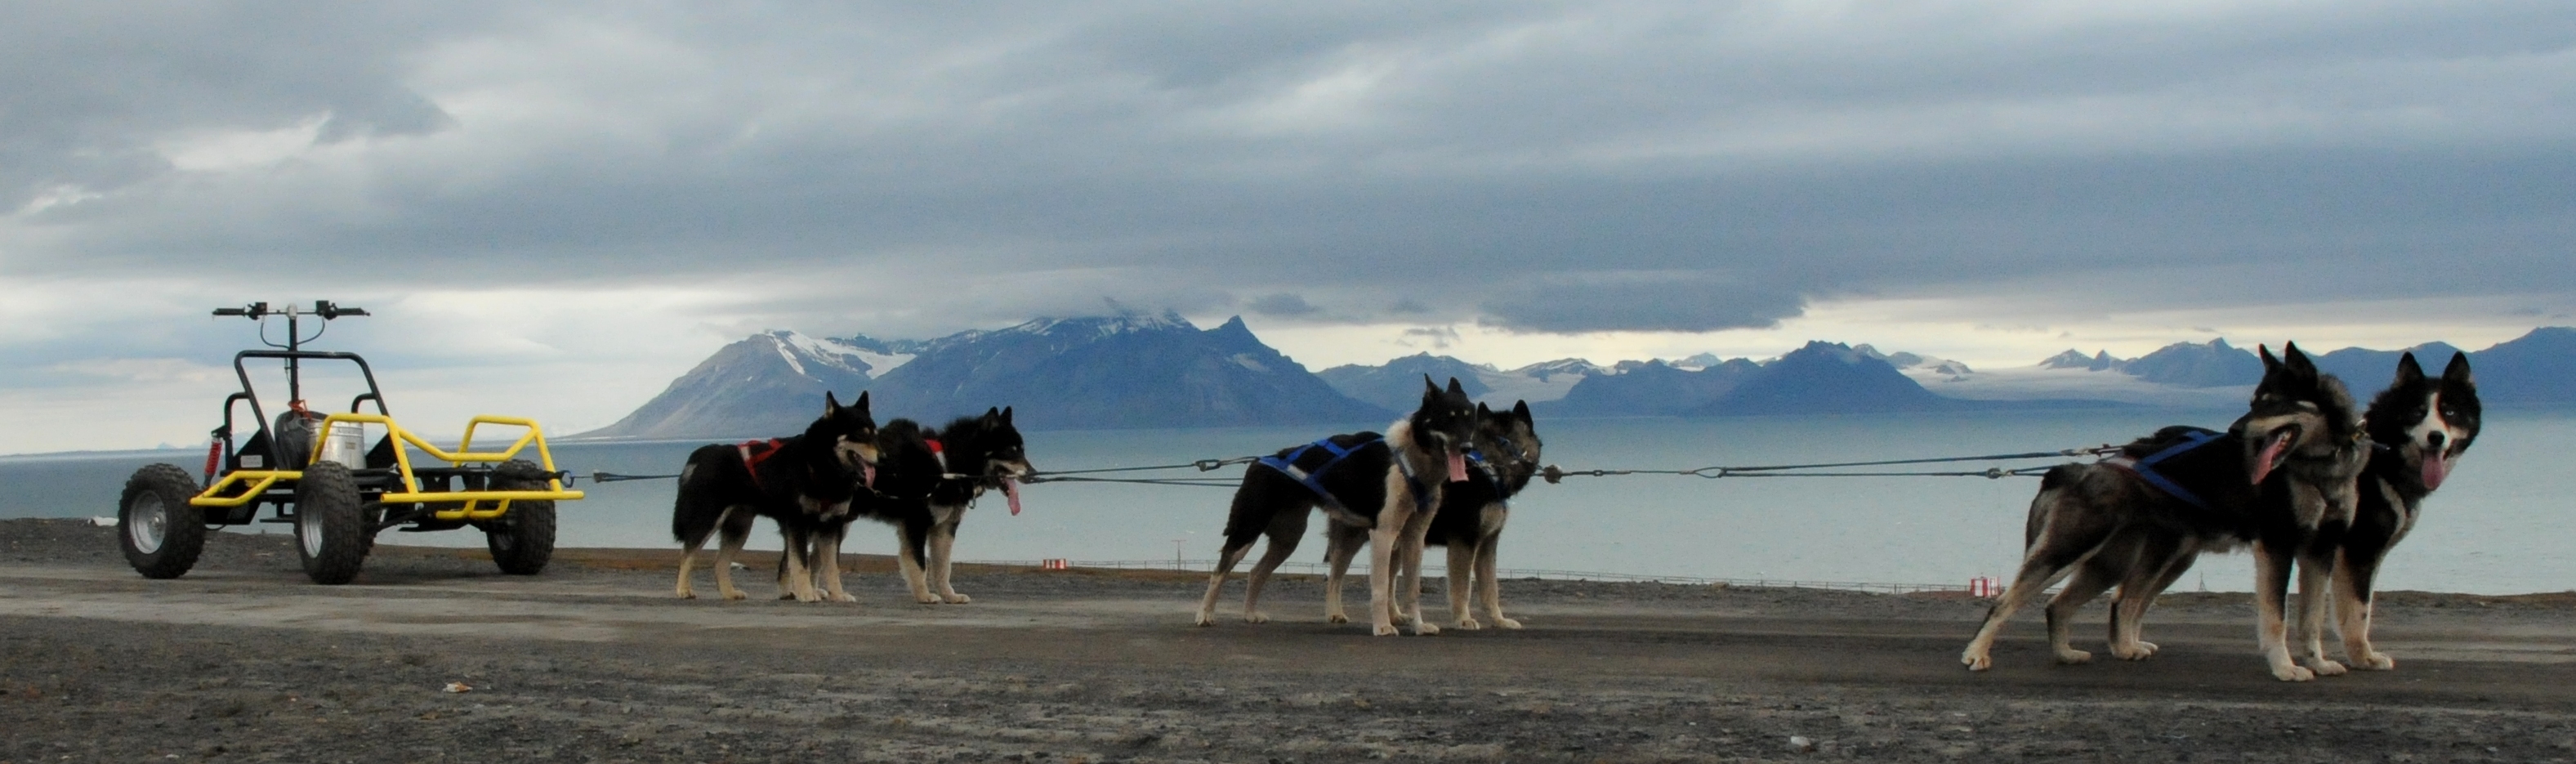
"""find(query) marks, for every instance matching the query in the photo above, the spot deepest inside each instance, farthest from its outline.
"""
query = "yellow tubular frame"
(260, 480)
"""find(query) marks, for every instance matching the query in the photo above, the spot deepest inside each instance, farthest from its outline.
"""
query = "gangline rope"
(1555, 474)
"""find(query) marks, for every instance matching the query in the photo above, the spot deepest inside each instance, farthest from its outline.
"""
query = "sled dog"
(1388, 484)
(2280, 478)
(1469, 522)
(805, 483)
(2418, 429)
(925, 481)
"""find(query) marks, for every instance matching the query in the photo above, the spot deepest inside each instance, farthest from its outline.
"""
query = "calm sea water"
(2492, 529)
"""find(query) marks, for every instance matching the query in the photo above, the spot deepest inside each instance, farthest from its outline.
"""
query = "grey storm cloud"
(1687, 302)
(1513, 163)
(1281, 304)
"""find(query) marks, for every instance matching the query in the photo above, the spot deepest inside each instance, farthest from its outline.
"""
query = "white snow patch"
(840, 355)
(2030, 383)
(1503, 388)
(880, 363)
(1246, 360)
(781, 343)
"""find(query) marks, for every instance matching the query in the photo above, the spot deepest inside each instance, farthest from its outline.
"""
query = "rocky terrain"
(434, 656)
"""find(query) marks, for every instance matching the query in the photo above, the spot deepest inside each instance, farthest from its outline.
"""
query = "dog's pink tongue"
(1011, 491)
(1457, 467)
(2271, 455)
(2435, 469)
(868, 475)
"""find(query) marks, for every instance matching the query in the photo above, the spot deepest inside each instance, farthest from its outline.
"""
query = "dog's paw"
(687, 595)
(1382, 630)
(1506, 622)
(1256, 617)
(2073, 657)
(954, 598)
(2292, 673)
(1976, 660)
(1469, 624)
(736, 594)
(2327, 667)
(1422, 627)
(2374, 660)
(787, 596)
(807, 597)
(843, 597)
(1336, 618)
(925, 598)
(2137, 652)
(1204, 619)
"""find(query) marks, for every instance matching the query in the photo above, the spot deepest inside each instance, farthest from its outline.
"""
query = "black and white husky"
(1469, 523)
(1389, 484)
(805, 483)
(925, 480)
(2281, 478)
(2419, 427)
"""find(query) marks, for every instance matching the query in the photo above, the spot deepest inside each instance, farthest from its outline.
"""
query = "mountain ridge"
(1125, 371)
(1137, 370)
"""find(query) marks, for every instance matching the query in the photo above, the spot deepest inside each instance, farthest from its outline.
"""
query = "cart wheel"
(523, 540)
(160, 531)
(329, 529)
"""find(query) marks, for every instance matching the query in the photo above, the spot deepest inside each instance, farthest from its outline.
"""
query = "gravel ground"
(242, 660)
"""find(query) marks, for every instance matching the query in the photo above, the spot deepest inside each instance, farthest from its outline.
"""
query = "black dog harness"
(1323, 454)
(2145, 468)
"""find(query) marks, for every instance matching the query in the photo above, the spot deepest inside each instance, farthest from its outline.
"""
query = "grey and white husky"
(2281, 478)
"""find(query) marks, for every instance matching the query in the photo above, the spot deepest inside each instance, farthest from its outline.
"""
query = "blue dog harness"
(1312, 477)
(1493, 476)
(2145, 468)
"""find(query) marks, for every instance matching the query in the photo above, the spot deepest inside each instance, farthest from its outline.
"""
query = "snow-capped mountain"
(1130, 370)
(1650, 388)
(1827, 378)
(2538, 368)
(769, 383)
(1397, 384)
(1916, 365)
(2101, 360)
(1101, 372)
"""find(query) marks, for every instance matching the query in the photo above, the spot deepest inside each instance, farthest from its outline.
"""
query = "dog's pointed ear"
(2408, 372)
(862, 404)
(1006, 415)
(1429, 388)
(1457, 389)
(2297, 361)
(1521, 410)
(831, 406)
(2458, 371)
(1483, 413)
(2270, 363)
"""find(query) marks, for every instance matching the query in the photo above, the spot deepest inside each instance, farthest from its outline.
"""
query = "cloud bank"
(1541, 168)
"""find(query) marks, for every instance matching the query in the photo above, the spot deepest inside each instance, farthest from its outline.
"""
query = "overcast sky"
(556, 207)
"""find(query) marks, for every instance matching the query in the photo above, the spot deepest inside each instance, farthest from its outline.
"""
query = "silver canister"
(346, 443)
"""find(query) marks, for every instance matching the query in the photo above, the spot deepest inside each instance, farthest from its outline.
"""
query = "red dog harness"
(756, 451)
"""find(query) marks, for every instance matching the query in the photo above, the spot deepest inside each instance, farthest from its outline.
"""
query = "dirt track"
(594, 661)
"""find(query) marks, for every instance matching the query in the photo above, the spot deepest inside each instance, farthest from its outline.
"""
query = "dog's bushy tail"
(698, 504)
(2051, 484)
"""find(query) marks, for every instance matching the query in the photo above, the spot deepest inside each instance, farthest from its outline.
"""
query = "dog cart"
(320, 475)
